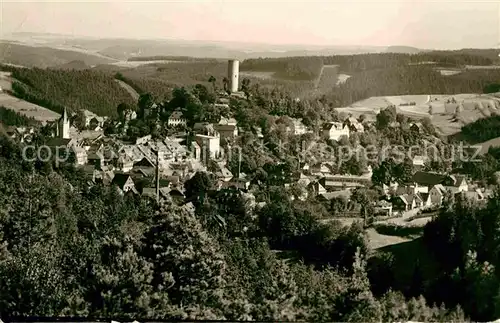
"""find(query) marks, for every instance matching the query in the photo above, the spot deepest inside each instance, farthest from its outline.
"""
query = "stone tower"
(233, 75)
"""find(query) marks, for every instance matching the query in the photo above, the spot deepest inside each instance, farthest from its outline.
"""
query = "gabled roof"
(120, 180)
(335, 125)
(428, 178)
(440, 188)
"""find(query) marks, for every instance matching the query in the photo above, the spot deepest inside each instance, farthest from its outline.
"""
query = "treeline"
(169, 58)
(70, 250)
(181, 73)
(53, 89)
(308, 67)
(9, 117)
(481, 130)
(409, 80)
(464, 237)
(290, 68)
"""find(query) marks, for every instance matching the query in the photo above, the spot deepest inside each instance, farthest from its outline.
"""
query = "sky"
(423, 24)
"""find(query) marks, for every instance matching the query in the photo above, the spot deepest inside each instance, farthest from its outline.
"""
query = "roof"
(428, 178)
(177, 114)
(120, 179)
(330, 195)
(440, 188)
(58, 142)
(335, 125)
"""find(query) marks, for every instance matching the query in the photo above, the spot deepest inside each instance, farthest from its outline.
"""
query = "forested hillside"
(308, 67)
(409, 80)
(86, 89)
(12, 118)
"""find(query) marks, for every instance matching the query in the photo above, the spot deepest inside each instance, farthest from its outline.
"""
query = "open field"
(132, 64)
(28, 109)
(129, 89)
(259, 75)
(22, 107)
(495, 142)
(474, 107)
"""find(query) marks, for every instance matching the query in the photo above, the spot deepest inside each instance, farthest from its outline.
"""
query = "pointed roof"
(64, 116)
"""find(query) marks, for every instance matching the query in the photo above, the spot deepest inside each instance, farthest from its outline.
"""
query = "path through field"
(129, 89)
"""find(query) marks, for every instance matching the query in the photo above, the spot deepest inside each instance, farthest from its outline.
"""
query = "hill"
(402, 49)
(86, 89)
(38, 56)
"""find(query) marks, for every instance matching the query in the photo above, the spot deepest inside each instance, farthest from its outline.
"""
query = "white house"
(297, 128)
(335, 131)
(176, 119)
(210, 145)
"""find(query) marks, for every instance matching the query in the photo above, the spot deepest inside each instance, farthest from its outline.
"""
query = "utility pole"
(239, 163)
(158, 175)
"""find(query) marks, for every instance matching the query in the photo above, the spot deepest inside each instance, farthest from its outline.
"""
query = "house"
(227, 128)
(315, 188)
(176, 119)
(92, 120)
(196, 150)
(224, 174)
(80, 155)
(456, 183)
(124, 182)
(335, 131)
(124, 163)
(427, 180)
(419, 162)
(206, 129)
(237, 183)
(354, 125)
(210, 146)
(341, 182)
(383, 208)
(297, 127)
(436, 194)
(473, 196)
(417, 127)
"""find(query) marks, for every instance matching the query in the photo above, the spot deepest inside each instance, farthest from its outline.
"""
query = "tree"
(365, 198)
(198, 186)
(213, 81)
(145, 102)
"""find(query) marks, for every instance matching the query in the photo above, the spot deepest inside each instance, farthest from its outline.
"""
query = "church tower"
(63, 126)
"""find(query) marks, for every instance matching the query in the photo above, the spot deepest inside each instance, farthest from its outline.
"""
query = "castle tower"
(233, 72)
(63, 126)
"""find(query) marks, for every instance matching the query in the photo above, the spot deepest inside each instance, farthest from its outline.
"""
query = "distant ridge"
(403, 50)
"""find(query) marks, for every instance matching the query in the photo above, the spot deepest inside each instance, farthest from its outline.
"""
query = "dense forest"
(309, 67)
(12, 118)
(93, 91)
(481, 130)
(292, 68)
(409, 80)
